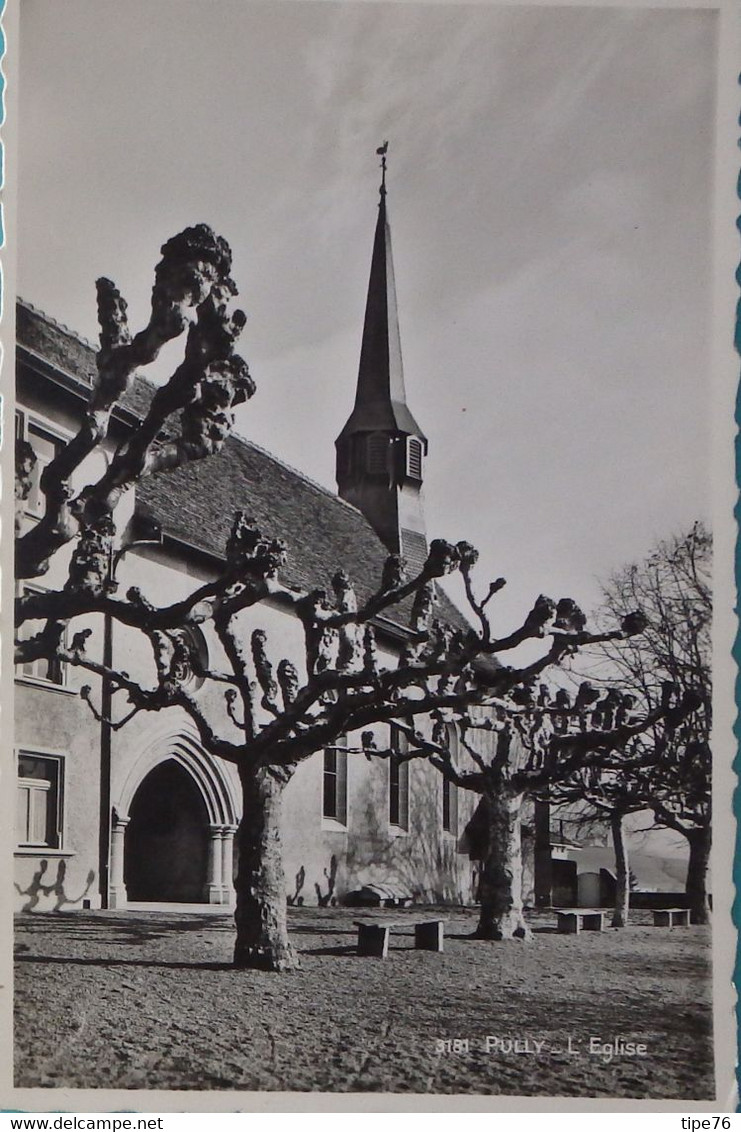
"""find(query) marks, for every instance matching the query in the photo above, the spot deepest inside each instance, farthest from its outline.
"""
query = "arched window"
(334, 801)
(398, 781)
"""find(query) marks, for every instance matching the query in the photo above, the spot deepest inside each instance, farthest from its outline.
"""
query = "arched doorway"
(166, 847)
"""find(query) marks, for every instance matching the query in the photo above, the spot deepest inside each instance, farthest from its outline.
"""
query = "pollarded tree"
(678, 788)
(529, 744)
(673, 586)
(281, 714)
(611, 799)
(191, 292)
(286, 714)
(609, 795)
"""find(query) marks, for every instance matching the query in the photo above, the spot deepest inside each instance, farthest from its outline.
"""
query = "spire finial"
(382, 151)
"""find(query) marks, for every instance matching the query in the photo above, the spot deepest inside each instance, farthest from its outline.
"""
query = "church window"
(450, 790)
(450, 807)
(39, 800)
(335, 782)
(378, 454)
(191, 647)
(398, 781)
(414, 458)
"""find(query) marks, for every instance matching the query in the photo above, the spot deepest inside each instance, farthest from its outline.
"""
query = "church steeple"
(380, 450)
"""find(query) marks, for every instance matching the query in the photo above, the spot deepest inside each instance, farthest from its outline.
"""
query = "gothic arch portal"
(175, 765)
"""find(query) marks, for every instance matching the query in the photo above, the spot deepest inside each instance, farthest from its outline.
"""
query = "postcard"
(369, 704)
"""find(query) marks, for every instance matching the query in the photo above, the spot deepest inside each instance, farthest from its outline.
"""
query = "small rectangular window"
(51, 670)
(335, 782)
(398, 781)
(46, 444)
(39, 800)
(450, 807)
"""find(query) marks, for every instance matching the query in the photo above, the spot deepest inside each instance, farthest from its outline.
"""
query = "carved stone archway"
(216, 790)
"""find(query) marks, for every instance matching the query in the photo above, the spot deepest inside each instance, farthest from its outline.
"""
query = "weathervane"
(382, 151)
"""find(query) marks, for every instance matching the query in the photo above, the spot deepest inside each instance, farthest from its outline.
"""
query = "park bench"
(572, 920)
(373, 935)
(671, 917)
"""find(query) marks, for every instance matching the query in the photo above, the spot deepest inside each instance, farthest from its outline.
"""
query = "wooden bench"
(572, 920)
(373, 935)
(671, 917)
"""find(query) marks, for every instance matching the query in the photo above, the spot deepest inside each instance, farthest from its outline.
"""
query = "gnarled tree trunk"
(622, 871)
(697, 875)
(501, 915)
(261, 915)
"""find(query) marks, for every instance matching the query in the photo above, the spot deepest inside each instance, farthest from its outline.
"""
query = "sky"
(550, 197)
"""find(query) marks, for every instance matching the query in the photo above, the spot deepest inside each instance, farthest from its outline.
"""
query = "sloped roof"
(195, 504)
(54, 342)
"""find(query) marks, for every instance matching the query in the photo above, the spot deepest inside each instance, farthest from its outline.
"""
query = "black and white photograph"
(373, 554)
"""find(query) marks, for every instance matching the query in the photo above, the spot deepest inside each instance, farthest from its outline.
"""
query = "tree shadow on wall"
(422, 862)
(296, 900)
(37, 888)
(325, 899)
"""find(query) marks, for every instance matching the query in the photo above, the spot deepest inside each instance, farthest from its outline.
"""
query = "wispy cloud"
(549, 179)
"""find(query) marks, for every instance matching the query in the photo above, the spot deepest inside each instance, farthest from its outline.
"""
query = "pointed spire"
(381, 448)
(380, 398)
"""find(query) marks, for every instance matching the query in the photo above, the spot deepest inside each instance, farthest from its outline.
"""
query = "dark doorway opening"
(565, 886)
(166, 856)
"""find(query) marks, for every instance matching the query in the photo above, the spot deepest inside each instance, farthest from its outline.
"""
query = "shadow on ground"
(150, 1000)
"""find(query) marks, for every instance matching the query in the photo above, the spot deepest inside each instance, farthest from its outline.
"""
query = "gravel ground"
(148, 1000)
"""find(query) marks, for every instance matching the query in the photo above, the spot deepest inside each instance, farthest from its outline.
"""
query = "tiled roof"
(54, 342)
(195, 503)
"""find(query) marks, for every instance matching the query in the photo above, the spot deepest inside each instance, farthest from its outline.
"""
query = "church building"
(140, 814)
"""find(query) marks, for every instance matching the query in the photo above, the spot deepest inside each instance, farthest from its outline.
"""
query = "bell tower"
(381, 449)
